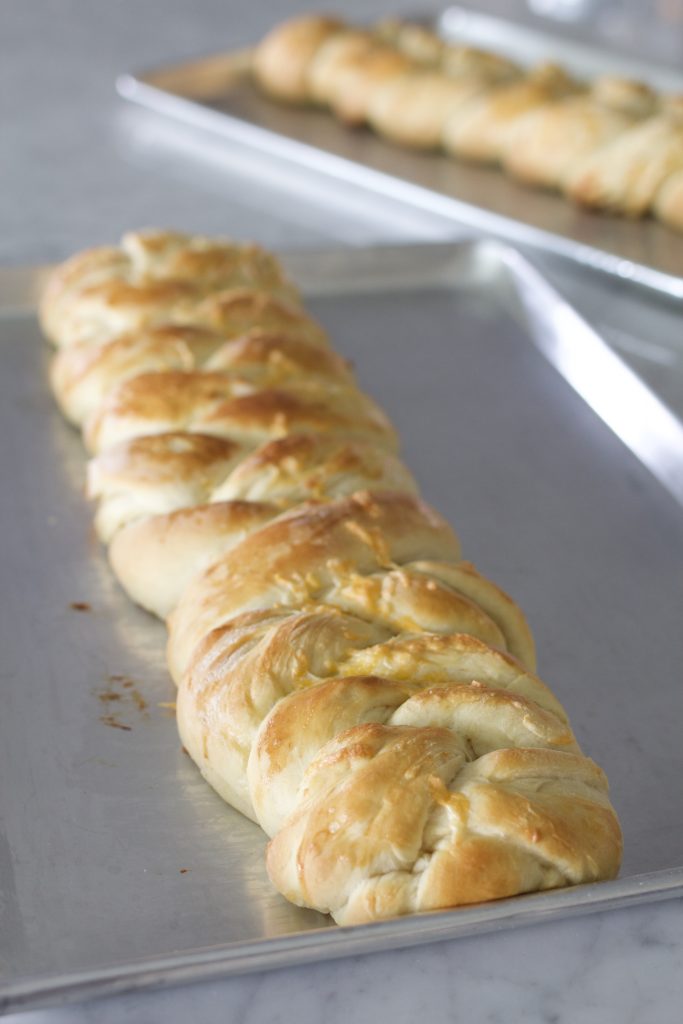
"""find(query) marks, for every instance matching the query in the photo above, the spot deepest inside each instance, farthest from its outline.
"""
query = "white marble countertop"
(622, 967)
(79, 168)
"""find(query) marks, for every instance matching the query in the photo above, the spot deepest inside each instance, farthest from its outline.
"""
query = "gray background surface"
(77, 168)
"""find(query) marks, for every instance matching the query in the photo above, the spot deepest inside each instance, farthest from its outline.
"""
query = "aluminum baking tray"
(215, 93)
(119, 867)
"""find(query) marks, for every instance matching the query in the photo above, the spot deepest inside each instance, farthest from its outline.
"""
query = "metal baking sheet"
(216, 94)
(119, 867)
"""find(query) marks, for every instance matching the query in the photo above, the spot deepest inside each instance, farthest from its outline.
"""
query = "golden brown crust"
(626, 95)
(668, 204)
(460, 61)
(225, 406)
(348, 71)
(542, 147)
(441, 688)
(343, 50)
(156, 557)
(358, 83)
(281, 61)
(433, 828)
(152, 478)
(233, 312)
(154, 277)
(548, 130)
(155, 474)
(464, 579)
(418, 42)
(82, 375)
(480, 131)
(307, 554)
(304, 467)
(242, 670)
(271, 358)
(158, 473)
(412, 109)
(625, 175)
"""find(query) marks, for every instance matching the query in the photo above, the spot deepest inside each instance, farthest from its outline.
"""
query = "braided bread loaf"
(344, 678)
(613, 144)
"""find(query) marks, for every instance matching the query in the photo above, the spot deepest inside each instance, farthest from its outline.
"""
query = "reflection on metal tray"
(216, 94)
(119, 867)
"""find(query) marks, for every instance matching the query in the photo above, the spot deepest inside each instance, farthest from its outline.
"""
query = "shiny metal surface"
(119, 868)
(588, 44)
(215, 94)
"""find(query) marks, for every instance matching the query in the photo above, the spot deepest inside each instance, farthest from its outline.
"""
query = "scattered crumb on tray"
(123, 702)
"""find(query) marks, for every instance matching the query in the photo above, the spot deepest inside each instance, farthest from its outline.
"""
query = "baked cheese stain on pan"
(122, 703)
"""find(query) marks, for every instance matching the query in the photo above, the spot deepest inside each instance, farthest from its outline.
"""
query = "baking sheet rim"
(138, 87)
(324, 944)
(19, 288)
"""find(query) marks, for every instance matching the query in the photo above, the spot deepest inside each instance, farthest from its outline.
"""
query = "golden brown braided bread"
(413, 108)
(248, 400)
(349, 68)
(612, 144)
(161, 473)
(481, 130)
(214, 402)
(440, 818)
(344, 677)
(543, 147)
(257, 335)
(152, 277)
(668, 204)
(627, 173)
(282, 62)
(171, 504)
